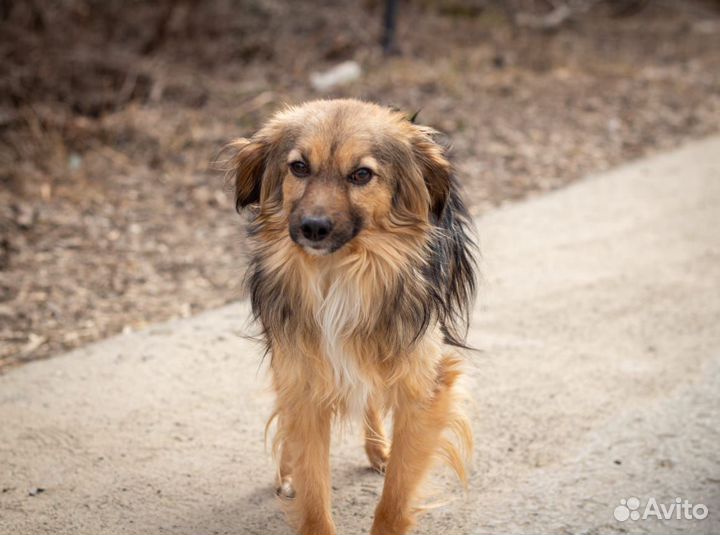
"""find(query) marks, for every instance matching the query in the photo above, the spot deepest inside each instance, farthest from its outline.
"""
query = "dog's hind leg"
(376, 445)
(285, 487)
(425, 408)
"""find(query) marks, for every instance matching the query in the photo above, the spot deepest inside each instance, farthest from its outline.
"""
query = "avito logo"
(680, 509)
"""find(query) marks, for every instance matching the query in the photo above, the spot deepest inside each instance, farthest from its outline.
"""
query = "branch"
(556, 18)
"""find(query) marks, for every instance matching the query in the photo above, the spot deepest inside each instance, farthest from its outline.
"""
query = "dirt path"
(598, 380)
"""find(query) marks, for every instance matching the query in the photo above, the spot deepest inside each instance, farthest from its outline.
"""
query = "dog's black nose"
(316, 228)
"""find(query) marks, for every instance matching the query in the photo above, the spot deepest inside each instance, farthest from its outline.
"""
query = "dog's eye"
(361, 176)
(299, 169)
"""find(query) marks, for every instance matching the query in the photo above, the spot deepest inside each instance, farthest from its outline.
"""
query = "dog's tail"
(454, 449)
(456, 445)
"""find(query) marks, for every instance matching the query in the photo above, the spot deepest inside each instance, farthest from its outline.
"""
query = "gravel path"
(598, 380)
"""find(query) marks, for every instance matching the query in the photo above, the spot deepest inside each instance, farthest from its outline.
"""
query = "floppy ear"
(435, 168)
(248, 165)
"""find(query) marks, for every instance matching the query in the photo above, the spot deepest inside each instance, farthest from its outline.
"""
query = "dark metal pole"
(388, 40)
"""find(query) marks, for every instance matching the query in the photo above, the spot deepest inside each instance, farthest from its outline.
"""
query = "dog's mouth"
(323, 248)
(315, 250)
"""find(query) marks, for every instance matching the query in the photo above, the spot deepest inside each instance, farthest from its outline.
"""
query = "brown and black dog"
(361, 275)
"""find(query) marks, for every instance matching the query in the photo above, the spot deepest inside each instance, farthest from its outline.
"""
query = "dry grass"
(111, 217)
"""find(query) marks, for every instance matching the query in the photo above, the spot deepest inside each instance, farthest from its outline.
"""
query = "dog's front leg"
(306, 443)
(424, 410)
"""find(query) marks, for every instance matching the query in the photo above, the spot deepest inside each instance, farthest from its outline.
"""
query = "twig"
(556, 18)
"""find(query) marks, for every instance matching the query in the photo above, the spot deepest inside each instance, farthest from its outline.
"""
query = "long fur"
(365, 330)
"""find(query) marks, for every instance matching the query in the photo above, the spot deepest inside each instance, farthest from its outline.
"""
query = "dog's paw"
(285, 489)
(378, 458)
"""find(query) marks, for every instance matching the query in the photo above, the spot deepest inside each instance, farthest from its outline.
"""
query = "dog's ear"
(248, 166)
(435, 167)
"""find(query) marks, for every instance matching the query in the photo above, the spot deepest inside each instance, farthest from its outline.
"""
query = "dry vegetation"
(111, 216)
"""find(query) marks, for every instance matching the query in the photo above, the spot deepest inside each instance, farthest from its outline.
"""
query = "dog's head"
(329, 170)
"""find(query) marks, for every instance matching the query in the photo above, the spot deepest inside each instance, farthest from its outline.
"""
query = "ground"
(112, 215)
(596, 379)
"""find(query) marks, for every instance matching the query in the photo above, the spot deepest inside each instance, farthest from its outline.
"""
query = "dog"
(361, 275)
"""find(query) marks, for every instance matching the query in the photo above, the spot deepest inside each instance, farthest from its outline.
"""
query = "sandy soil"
(598, 379)
(111, 218)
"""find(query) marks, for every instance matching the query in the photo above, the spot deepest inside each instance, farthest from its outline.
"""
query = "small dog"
(361, 275)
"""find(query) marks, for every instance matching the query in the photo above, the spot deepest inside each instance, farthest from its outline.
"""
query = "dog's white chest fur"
(338, 310)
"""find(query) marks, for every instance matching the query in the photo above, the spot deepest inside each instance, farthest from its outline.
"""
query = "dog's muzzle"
(320, 234)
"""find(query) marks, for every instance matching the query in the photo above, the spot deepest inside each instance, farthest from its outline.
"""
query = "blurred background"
(112, 112)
